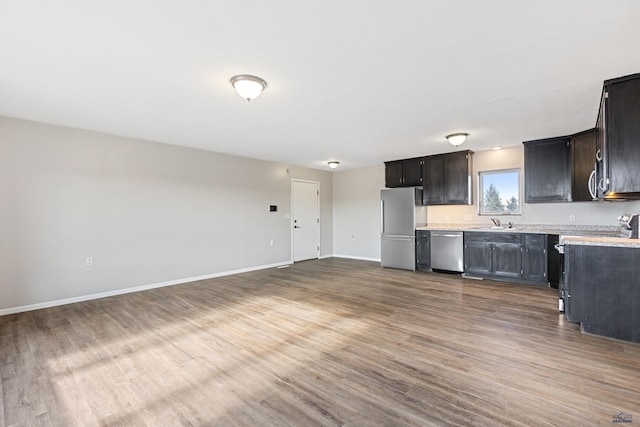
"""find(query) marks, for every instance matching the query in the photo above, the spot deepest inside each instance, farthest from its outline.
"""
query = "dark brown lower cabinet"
(423, 252)
(603, 292)
(478, 255)
(506, 256)
(534, 257)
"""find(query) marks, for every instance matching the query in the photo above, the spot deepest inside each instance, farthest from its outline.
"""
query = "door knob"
(295, 226)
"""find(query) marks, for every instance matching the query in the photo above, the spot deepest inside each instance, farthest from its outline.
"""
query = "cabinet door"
(623, 135)
(507, 259)
(554, 261)
(412, 172)
(457, 178)
(572, 309)
(581, 280)
(534, 257)
(601, 164)
(423, 254)
(393, 173)
(433, 180)
(547, 176)
(477, 257)
(583, 162)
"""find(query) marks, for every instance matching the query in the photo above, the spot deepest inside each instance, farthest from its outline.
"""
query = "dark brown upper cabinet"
(393, 175)
(412, 171)
(618, 139)
(433, 180)
(446, 179)
(403, 173)
(547, 173)
(560, 169)
(583, 163)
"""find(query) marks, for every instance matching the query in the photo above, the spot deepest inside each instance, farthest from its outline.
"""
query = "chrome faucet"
(496, 222)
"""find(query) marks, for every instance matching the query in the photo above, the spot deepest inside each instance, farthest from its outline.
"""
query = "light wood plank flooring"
(329, 342)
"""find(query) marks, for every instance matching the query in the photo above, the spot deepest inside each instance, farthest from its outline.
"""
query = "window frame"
(481, 174)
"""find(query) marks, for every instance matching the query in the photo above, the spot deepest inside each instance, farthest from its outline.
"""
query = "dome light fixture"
(456, 139)
(333, 164)
(248, 87)
(496, 147)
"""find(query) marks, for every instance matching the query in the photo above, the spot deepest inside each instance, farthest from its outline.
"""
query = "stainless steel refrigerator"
(401, 213)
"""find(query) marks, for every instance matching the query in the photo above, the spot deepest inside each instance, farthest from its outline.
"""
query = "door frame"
(317, 183)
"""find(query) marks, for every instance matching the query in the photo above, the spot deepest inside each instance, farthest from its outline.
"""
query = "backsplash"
(572, 214)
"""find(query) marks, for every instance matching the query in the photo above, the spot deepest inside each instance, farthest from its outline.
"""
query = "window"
(499, 192)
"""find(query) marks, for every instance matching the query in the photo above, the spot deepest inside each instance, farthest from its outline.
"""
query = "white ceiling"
(352, 80)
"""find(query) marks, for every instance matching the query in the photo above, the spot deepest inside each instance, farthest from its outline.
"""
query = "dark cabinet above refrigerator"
(445, 178)
(403, 173)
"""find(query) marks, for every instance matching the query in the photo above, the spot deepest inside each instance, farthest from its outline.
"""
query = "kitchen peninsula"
(602, 285)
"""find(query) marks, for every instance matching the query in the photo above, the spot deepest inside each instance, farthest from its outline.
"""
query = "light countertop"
(600, 241)
(592, 235)
(562, 230)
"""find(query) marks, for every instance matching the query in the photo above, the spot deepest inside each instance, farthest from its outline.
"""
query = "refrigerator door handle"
(381, 216)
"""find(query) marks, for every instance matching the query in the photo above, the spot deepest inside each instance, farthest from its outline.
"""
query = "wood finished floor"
(329, 342)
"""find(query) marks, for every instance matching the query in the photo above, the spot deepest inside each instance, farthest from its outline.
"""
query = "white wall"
(357, 209)
(356, 212)
(148, 213)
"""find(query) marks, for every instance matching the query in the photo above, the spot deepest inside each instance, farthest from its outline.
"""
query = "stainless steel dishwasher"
(447, 250)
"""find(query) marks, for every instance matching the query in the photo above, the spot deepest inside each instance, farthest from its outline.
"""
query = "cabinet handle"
(591, 184)
(599, 155)
(602, 185)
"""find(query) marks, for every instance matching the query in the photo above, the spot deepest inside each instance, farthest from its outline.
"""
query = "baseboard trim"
(360, 258)
(55, 303)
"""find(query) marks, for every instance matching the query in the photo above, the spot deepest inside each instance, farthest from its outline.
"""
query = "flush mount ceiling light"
(333, 164)
(456, 139)
(248, 87)
(496, 147)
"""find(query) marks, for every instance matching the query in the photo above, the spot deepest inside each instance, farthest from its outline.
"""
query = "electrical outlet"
(88, 261)
(572, 218)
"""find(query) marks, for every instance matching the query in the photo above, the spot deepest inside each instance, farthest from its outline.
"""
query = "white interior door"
(305, 220)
